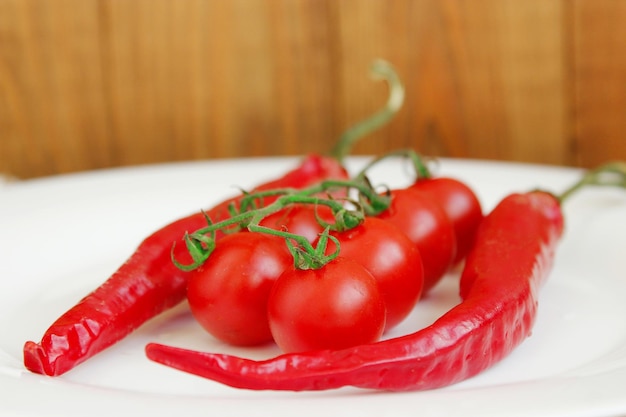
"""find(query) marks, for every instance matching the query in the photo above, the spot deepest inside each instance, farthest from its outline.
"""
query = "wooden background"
(87, 84)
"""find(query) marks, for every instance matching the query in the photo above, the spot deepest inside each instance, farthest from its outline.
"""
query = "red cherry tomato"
(460, 204)
(228, 294)
(388, 254)
(428, 227)
(300, 219)
(333, 307)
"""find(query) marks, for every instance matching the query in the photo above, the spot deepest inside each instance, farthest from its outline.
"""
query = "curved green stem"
(379, 69)
(610, 174)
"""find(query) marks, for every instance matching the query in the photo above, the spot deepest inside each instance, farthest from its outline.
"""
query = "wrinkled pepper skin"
(510, 259)
(147, 284)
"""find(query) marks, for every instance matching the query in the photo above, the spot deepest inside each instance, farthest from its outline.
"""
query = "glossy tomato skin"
(300, 219)
(428, 227)
(461, 205)
(394, 261)
(333, 307)
(228, 294)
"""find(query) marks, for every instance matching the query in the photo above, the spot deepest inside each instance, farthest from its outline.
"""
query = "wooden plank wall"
(87, 84)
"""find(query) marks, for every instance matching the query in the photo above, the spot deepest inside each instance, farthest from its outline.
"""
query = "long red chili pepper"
(150, 283)
(510, 260)
(147, 284)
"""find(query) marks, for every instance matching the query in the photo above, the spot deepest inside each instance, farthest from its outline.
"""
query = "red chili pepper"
(146, 285)
(510, 260)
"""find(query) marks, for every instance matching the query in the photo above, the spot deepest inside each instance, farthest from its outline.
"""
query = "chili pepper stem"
(610, 174)
(379, 69)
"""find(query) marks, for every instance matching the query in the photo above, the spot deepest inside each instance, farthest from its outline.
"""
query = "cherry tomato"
(388, 254)
(228, 294)
(333, 307)
(460, 204)
(428, 227)
(300, 219)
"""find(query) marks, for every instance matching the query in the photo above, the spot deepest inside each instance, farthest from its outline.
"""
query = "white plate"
(60, 237)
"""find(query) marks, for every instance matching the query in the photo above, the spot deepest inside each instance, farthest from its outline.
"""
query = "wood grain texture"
(599, 89)
(88, 84)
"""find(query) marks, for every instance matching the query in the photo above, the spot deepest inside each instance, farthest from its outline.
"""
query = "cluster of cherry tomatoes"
(250, 291)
